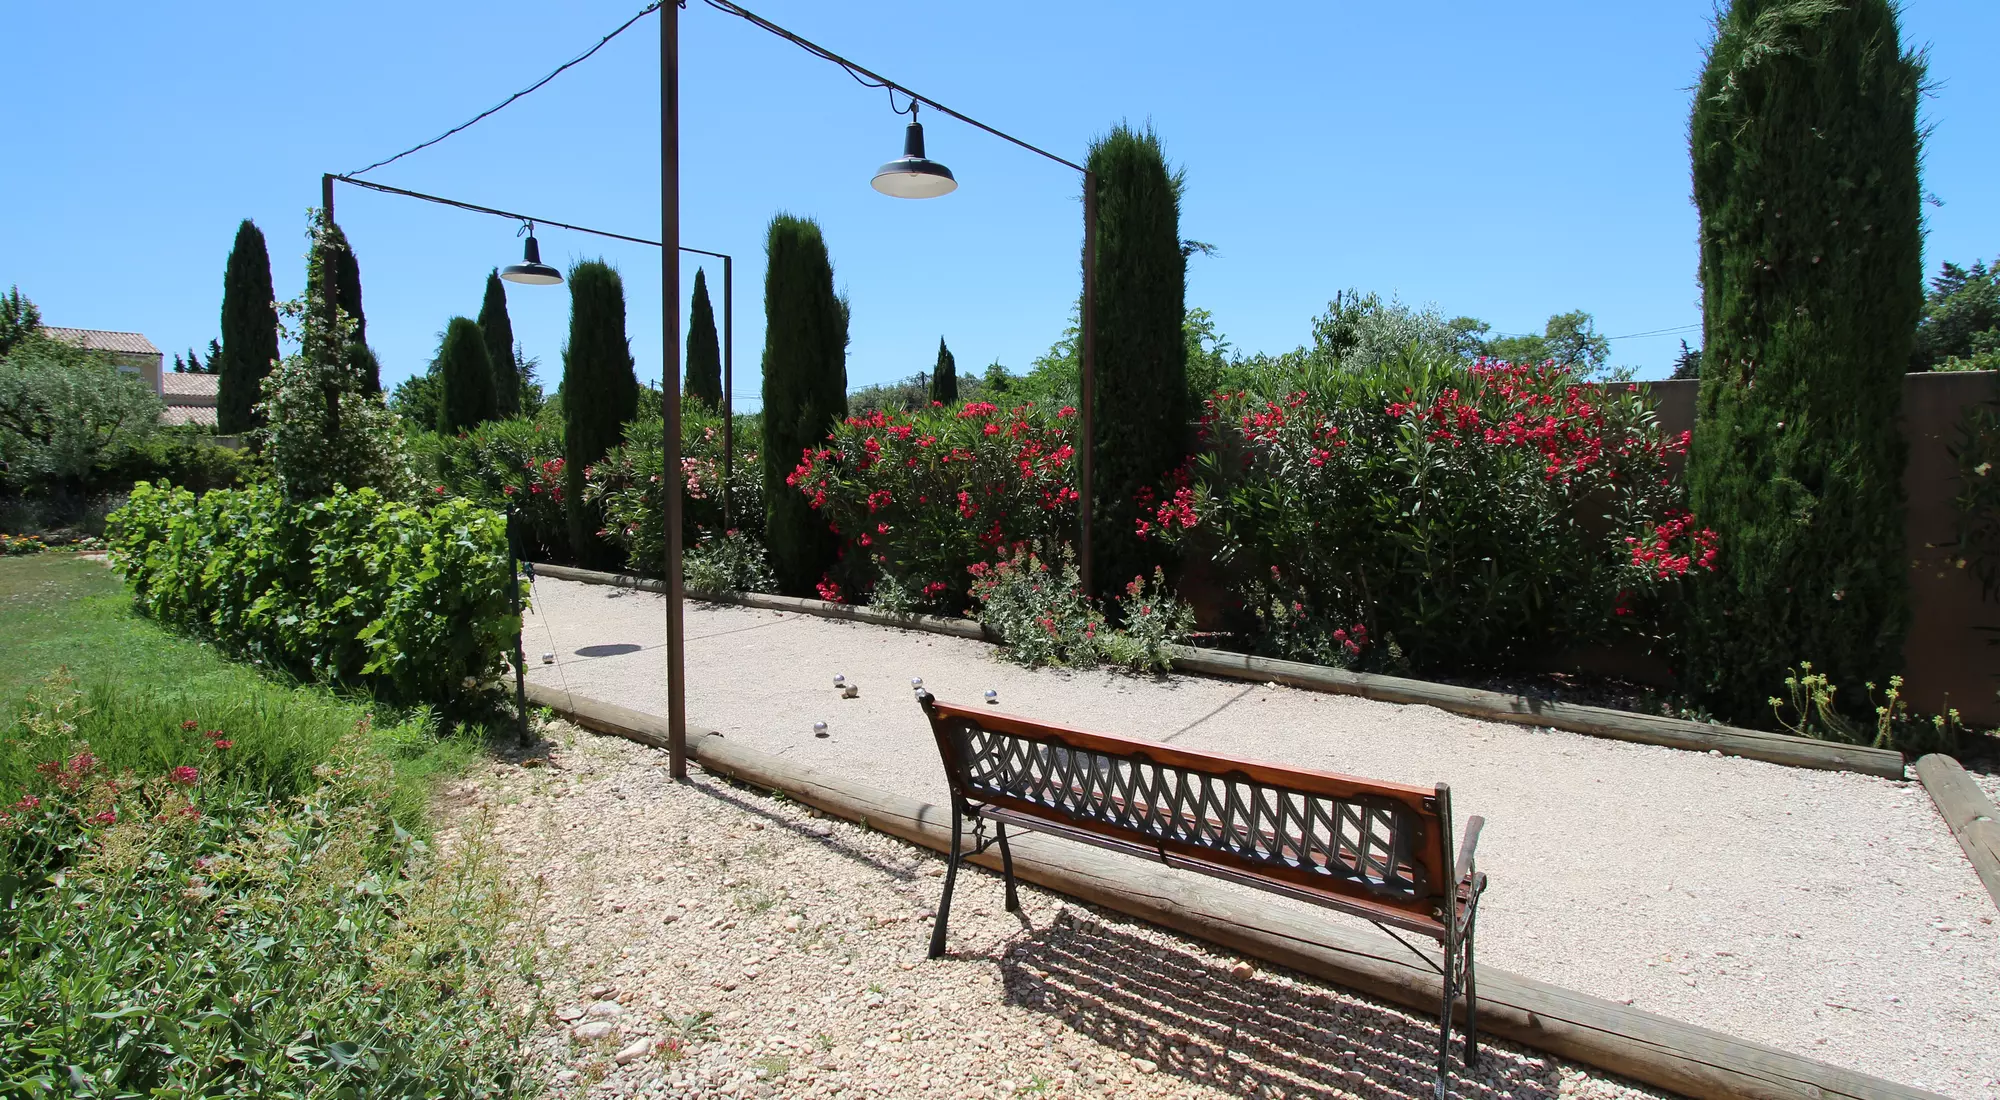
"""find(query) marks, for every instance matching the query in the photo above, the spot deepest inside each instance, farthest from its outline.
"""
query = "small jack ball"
(839, 680)
(819, 729)
(916, 681)
(548, 658)
(992, 696)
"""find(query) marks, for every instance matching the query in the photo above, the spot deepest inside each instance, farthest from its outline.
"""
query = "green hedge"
(353, 589)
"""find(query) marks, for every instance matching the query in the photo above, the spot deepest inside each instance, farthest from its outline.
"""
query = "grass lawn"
(215, 883)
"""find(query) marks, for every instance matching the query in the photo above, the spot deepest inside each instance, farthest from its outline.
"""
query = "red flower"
(184, 776)
(190, 724)
(224, 743)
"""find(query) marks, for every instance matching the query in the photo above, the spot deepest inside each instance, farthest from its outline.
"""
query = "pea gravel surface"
(705, 940)
(1827, 913)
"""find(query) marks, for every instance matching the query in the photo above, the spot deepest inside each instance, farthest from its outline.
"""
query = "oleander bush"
(515, 463)
(627, 485)
(221, 898)
(918, 498)
(1433, 515)
(352, 589)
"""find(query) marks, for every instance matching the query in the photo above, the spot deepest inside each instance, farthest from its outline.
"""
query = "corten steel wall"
(1950, 658)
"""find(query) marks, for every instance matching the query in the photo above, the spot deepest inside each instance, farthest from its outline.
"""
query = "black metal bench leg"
(1007, 867)
(1471, 995)
(1444, 1016)
(950, 880)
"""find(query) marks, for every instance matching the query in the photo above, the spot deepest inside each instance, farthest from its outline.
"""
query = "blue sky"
(1502, 161)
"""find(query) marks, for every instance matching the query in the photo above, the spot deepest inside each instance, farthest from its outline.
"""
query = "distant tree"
(1568, 339)
(704, 350)
(805, 391)
(1805, 149)
(249, 332)
(600, 393)
(497, 330)
(416, 400)
(1688, 363)
(465, 378)
(1143, 409)
(19, 320)
(944, 377)
(64, 412)
(1960, 328)
(214, 363)
(994, 380)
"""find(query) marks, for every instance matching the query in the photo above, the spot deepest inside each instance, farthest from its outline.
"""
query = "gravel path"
(706, 940)
(1823, 912)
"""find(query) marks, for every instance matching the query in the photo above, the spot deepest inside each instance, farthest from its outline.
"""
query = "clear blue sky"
(1502, 161)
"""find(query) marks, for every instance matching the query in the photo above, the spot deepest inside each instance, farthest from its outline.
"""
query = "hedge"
(352, 589)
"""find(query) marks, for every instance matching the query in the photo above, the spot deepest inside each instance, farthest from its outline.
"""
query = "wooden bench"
(1379, 851)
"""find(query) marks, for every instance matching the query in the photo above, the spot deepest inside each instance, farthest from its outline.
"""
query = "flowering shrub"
(504, 464)
(628, 483)
(1042, 616)
(349, 589)
(1808, 709)
(919, 497)
(168, 927)
(1433, 515)
(15, 545)
(730, 562)
(1155, 621)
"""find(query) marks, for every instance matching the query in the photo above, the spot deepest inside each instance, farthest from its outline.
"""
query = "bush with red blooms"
(917, 498)
(1427, 514)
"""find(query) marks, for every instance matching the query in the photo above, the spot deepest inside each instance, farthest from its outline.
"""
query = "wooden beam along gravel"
(1972, 816)
(1666, 1053)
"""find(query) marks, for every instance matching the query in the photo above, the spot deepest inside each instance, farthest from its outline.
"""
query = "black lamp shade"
(913, 175)
(531, 269)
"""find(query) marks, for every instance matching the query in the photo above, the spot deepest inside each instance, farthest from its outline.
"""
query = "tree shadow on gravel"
(1258, 1037)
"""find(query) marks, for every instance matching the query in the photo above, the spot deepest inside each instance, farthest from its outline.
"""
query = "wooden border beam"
(1972, 816)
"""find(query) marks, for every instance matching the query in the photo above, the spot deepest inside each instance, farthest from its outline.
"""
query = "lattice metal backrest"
(1354, 840)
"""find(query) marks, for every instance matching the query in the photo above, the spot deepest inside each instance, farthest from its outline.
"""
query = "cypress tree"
(805, 391)
(599, 394)
(944, 379)
(465, 378)
(1805, 150)
(1142, 398)
(347, 295)
(498, 330)
(704, 351)
(249, 331)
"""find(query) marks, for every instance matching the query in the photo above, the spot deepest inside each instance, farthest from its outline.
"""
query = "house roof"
(178, 388)
(174, 416)
(91, 339)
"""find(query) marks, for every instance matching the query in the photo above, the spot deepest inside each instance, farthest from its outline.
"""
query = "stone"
(1145, 1065)
(568, 1013)
(1242, 971)
(818, 828)
(599, 992)
(632, 1053)
(592, 1031)
(605, 1010)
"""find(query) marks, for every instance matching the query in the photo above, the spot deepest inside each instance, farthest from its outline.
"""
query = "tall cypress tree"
(1142, 400)
(249, 331)
(498, 330)
(805, 392)
(347, 294)
(704, 351)
(465, 378)
(1805, 149)
(944, 379)
(600, 393)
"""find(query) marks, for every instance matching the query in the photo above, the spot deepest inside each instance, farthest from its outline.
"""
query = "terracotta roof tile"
(173, 385)
(130, 343)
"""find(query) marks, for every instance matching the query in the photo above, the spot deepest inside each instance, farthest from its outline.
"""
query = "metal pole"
(728, 382)
(670, 375)
(520, 658)
(1086, 450)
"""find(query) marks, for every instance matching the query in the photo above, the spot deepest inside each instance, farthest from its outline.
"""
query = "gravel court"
(704, 940)
(1823, 912)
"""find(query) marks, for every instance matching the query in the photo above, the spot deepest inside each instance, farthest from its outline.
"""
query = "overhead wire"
(558, 71)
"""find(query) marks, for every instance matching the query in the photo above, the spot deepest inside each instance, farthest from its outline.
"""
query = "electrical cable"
(577, 60)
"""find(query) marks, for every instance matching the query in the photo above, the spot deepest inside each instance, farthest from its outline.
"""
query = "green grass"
(215, 882)
(142, 682)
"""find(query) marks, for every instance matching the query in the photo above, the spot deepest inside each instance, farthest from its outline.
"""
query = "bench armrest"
(1463, 867)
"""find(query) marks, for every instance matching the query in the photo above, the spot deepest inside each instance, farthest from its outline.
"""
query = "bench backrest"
(1331, 834)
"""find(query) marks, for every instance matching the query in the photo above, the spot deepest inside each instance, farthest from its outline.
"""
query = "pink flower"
(108, 817)
(184, 776)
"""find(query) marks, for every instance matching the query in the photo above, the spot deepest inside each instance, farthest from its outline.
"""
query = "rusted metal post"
(670, 377)
(728, 382)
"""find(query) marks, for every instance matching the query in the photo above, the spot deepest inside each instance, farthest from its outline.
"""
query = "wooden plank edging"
(1972, 816)
(1492, 706)
(1657, 1050)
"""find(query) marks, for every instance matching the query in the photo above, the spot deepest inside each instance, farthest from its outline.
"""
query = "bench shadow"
(612, 650)
(1258, 1037)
